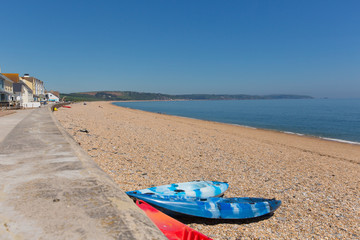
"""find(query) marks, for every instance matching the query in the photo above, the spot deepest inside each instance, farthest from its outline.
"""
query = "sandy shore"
(318, 181)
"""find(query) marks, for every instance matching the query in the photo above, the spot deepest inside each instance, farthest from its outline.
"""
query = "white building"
(36, 85)
(51, 97)
(24, 95)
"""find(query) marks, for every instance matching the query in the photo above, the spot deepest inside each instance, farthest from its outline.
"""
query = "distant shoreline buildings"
(24, 92)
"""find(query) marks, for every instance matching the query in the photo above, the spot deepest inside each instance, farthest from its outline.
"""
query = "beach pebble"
(316, 180)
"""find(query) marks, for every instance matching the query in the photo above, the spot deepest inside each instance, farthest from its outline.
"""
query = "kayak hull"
(213, 207)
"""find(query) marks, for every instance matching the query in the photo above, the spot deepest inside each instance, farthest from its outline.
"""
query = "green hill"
(129, 95)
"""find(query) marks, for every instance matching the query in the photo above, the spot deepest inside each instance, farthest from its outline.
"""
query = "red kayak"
(66, 106)
(171, 228)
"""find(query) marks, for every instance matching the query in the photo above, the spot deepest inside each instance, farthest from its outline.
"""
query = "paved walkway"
(8, 122)
(51, 189)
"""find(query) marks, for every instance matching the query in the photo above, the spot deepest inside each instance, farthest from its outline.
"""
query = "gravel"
(316, 180)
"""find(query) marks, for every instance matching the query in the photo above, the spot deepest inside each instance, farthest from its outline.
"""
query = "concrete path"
(8, 122)
(51, 189)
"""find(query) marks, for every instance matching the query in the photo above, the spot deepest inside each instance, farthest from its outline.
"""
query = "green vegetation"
(128, 95)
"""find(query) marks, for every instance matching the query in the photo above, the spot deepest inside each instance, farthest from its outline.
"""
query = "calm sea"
(337, 119)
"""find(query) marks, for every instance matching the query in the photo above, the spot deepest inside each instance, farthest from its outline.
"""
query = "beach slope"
(316, 180)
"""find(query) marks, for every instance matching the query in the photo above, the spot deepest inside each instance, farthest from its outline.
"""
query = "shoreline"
(246, 126)
(317, 180)
(304, 137)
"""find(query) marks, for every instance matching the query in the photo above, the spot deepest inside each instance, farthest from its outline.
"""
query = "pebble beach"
(318, 181)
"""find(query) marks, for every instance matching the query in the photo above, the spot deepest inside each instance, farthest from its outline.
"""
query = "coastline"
(317, 180)
(325, 135)
(244, 126)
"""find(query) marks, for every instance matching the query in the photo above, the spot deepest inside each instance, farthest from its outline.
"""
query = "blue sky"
(178, 47)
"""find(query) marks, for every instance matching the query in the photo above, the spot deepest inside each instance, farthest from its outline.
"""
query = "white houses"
(51, 97)
(36, 85)
(23, 93)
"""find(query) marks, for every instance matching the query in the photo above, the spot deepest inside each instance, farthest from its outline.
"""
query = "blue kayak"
(213, 207)
(200, 189)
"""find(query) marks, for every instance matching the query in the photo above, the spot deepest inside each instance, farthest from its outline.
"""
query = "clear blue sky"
(186, 46)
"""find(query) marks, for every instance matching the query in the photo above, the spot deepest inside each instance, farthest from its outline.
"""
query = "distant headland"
(129, 95)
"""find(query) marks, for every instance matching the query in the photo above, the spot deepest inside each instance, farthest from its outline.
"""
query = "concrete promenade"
(51, 189)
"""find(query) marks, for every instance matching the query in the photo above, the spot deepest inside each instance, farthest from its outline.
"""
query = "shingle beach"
(318, 181)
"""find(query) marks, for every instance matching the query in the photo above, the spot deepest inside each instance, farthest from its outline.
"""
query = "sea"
(331, 119)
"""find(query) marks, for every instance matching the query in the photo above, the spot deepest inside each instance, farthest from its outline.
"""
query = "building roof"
(31, 79)
(56, 93)
(5, 78)
(17, 87)
(13, 76)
